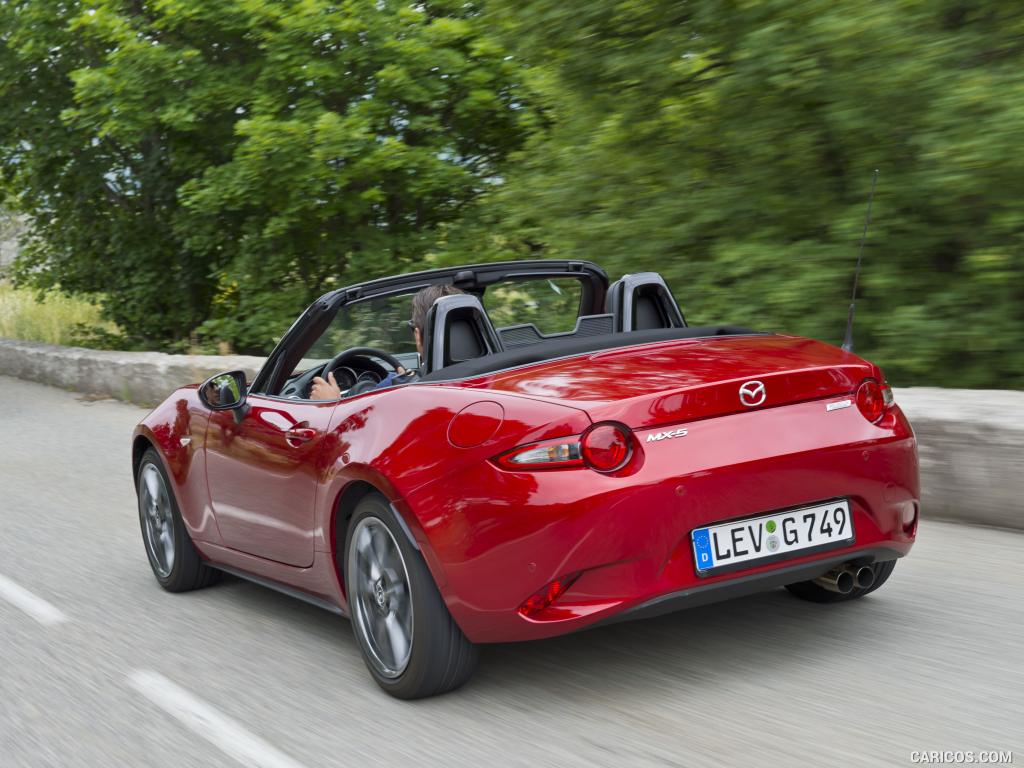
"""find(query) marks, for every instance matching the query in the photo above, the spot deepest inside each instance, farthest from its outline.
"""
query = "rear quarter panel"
(399, 440)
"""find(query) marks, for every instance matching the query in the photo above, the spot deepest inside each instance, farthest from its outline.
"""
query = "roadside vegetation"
(53, 318)
(211, 167)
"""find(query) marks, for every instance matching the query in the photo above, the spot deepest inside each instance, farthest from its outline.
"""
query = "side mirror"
(224, 391)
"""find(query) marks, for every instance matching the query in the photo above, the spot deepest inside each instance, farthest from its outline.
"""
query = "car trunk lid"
(670, 382)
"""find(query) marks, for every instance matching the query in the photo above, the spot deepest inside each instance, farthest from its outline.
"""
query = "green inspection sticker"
(770, 525)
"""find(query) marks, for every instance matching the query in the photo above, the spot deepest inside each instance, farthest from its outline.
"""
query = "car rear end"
(712, 468)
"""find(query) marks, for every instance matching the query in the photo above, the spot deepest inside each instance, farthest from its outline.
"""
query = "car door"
(263, 477)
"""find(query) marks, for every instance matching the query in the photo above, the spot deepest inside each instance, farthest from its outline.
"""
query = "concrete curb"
(971, 441)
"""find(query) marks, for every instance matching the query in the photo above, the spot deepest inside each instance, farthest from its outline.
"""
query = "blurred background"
(186, 176)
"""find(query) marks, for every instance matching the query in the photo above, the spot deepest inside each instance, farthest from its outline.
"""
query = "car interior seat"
(457, 329)
(643, 302)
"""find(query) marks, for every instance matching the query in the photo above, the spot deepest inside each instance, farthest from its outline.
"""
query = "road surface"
(99, 667)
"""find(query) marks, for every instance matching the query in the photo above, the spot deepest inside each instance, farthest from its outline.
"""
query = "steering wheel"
(342, 358)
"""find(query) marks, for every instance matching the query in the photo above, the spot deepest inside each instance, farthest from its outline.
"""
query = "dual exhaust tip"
(844, 578)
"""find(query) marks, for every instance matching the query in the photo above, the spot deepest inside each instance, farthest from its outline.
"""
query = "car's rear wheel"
(172, 556)
(811, 590)
(411, 645)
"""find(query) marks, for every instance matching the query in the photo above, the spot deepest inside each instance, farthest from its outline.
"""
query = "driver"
(421, 304)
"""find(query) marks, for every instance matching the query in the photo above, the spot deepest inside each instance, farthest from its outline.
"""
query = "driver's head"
(421, 304)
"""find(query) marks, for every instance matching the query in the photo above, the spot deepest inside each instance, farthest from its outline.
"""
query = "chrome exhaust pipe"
(865, 576)
(839, 580)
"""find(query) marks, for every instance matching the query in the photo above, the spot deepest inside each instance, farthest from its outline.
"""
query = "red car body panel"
(263, 475)
(257, 502)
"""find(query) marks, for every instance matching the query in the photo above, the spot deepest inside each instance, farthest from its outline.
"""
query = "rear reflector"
(540, 600)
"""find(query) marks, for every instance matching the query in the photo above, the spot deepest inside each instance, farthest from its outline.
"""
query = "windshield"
(382, 323)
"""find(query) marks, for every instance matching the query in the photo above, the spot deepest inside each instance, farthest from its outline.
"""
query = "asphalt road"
(99, 667)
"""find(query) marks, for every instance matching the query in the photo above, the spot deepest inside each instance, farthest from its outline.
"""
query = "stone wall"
(144, 378)
(971, 446)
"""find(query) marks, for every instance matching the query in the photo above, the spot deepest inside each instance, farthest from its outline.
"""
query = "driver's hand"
(325, 390)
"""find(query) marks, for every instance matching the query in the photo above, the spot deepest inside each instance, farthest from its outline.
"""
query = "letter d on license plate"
(788, 533)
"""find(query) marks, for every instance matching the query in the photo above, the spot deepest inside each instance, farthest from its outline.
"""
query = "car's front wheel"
(411, 645)
(172, 556)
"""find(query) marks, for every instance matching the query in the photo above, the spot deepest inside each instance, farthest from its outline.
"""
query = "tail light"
(550, 454)
(873, 399)
(603, 448)
(606, 447)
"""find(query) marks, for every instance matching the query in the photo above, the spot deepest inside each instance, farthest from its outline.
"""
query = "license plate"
(775, 537)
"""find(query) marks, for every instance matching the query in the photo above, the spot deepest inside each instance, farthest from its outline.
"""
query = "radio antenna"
(848, 340)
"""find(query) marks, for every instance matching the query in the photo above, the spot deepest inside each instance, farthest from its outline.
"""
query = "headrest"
(643, 302)
(457, 329)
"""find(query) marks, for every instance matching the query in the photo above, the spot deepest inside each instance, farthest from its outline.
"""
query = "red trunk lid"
(669, 382)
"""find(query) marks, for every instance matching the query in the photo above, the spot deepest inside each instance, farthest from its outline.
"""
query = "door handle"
(296, 436)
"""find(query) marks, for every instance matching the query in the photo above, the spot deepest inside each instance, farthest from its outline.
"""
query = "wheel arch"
(140, 444)
(191, 496)
(345, 504)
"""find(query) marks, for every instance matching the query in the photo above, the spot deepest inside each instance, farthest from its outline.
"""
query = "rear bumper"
(741, 586)
(495, 537)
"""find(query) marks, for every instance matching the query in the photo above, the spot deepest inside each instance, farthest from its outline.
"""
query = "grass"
(56, 319)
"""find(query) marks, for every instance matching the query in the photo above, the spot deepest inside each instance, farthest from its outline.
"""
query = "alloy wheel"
(157, 520)
(381, 604)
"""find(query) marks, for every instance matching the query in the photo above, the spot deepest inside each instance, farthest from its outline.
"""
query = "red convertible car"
(559, 453)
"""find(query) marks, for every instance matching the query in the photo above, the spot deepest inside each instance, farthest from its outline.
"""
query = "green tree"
(222, 163)
(730, 145)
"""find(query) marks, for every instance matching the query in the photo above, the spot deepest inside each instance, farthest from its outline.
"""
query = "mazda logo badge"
(752, 393)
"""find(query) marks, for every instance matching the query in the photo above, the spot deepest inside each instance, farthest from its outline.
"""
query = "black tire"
(815, 593)
(187, 570)
(440, 657)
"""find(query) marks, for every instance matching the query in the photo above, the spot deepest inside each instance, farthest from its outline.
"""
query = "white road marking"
(45, 613)
(201, 718)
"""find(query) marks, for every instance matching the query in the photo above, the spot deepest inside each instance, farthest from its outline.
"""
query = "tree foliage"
(730, 146)
(214, 165)
(219, 164)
